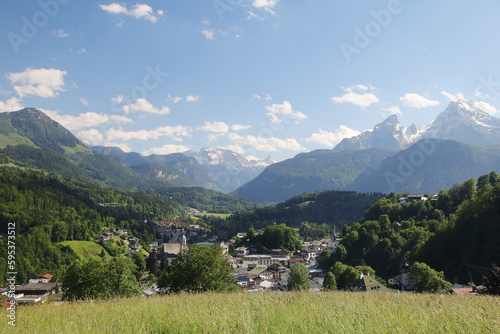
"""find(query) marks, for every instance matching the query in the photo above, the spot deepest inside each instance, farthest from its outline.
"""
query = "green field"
(306, 312)
(210, 214)
(85, 248)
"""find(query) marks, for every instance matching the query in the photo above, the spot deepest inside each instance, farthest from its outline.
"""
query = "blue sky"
(261, 77)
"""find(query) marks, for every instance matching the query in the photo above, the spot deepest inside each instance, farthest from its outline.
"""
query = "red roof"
(47, 276)
(6, 304)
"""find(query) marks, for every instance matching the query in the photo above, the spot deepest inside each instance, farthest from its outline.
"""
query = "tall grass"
(306, 312)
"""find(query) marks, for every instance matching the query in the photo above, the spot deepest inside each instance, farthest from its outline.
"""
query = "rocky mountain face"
(460, 121)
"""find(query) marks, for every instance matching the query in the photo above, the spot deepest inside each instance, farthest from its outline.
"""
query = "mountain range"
(32, 138)
(462, 142)
(460, 121)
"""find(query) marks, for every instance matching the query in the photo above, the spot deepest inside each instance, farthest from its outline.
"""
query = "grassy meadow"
(291, 312)
(85, 249)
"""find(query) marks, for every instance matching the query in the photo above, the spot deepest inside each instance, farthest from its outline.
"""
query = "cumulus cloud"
(413, 100)
(484, 106)
(218, 127)
(331, 139)
(235, 148)
(117, 99)
(91, 136)
(239, 127)
(139, 11)
(283, 109)
(192, 98)
(12, 104)
(167, 149)
(209, 34)
(42, 82)
(394, 110)
(164, 131)
(143, 105)
(267, 5)
(174, 99)
(272, 144)
(454, 97)
(86, 120)
(357, 95)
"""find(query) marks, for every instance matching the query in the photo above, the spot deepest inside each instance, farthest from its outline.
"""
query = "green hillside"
(85, 249)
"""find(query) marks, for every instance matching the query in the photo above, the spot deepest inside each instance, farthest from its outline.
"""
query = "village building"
(366, 283)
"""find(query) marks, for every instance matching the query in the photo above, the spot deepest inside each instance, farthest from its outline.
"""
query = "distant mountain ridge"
(460, 121)
(308, 172)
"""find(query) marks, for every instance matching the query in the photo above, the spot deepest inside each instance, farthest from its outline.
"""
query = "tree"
(492, 281)
(152, 263)
(330, 283)
(199, 269)
(427, 279)
(139, 261)
(299, 278)
(97, 278)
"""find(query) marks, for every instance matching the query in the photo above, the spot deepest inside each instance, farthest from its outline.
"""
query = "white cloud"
(43, 82)
(91, 136)
(272, 144)
(209, 34)
(239, 127)
(235, 148)
(86, 120)
(139, 11)
(12, 104)
(84, 101)
(361, 98)
(266, 5)
(143, 105)
(394, 110)
(454, 98)
(484, 106)
(117, 99)
(60, 33)
(413, 100)
(174, 99)
(283, 109)
(219, 127)
(164, 131)
(167, 149)
(331, 139)
(192, 98)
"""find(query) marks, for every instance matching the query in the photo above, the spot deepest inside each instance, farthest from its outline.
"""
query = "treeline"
(48, 210)
(205, 199)
(457, 234)
(321, 207)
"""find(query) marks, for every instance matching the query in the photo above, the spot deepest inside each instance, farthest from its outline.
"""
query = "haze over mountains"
(462, 142)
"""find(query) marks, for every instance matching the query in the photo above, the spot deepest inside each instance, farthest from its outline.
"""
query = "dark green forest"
(322, 207)
(47, 210)
(457, 234)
